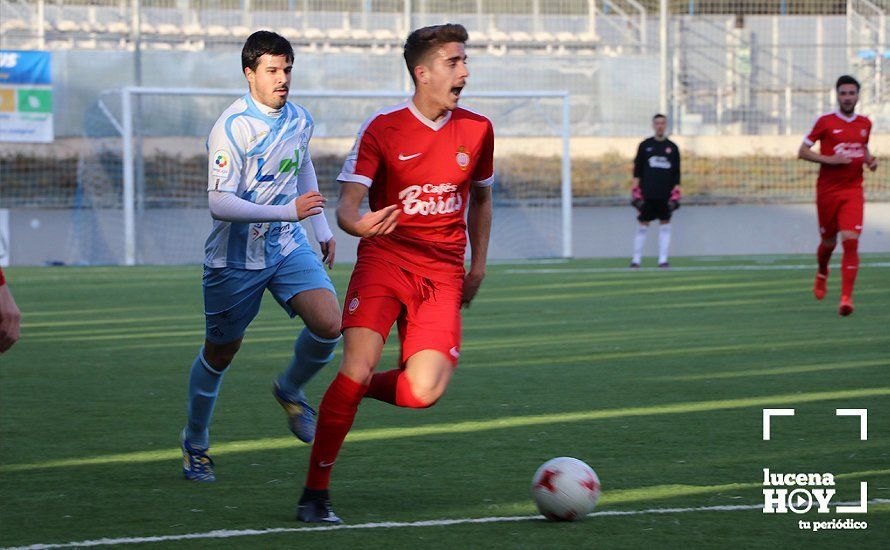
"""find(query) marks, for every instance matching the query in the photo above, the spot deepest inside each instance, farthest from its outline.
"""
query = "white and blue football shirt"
(258, 154)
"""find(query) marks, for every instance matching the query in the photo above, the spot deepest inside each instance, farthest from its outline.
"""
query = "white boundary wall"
(597, 232)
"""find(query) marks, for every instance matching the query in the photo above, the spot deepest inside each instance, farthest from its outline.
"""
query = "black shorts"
(654, 209)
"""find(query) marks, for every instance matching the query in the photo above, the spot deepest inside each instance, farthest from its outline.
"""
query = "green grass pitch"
(657, 379)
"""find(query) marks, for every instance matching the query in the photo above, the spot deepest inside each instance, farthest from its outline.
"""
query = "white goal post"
(127, 111)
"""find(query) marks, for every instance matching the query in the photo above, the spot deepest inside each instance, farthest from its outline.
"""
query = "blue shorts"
(232, 296)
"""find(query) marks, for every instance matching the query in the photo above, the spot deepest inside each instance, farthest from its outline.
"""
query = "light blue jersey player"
(261, 183)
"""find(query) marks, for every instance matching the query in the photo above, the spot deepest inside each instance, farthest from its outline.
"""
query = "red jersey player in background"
(423, 164)
(843, 145)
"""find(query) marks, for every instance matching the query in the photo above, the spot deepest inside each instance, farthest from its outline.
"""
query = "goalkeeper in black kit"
(656, 189)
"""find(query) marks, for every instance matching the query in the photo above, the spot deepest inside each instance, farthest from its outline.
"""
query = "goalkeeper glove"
(636, 197)
(674, 201)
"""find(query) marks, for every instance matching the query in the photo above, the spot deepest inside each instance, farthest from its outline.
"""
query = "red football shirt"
(426, 167)
(838, 134)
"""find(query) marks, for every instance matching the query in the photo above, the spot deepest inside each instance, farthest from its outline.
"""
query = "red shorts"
(428, 312)
(840, 211)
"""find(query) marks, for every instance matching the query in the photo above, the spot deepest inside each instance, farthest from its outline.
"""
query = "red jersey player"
(423, 164)
(843, 137)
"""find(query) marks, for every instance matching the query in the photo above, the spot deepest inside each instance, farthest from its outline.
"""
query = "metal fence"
(717, 68)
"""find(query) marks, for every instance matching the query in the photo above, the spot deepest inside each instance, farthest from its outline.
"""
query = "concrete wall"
(38, 237)
(582, 147)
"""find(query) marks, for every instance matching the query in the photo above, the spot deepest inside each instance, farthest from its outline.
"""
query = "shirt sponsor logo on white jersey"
(287, 164)
(430, 199)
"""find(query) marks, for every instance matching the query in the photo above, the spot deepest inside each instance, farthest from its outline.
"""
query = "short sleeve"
(225, 158)
(363, 160)
(483, 173)
(815, 133)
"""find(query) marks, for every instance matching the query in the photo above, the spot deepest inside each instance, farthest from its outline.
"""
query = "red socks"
(337, 413)
(849, 266)
(383, 386)
(823, 254)
(394, 388)
(335, 417)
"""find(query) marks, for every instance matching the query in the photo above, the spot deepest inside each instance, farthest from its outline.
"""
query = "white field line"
(787, 267)
(226, 534)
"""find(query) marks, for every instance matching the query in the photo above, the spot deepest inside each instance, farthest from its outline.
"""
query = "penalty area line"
(226, 534)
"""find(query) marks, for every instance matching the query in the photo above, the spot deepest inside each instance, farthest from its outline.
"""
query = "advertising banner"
(26, 97)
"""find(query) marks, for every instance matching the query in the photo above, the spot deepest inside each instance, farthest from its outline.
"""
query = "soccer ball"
(565, 489)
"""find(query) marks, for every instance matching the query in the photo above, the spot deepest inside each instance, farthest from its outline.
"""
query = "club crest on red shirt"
(353, 304)
(463, 158)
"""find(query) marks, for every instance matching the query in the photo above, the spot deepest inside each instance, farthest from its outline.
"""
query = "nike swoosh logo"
(836, 131)
(323, 464)
(409, 157)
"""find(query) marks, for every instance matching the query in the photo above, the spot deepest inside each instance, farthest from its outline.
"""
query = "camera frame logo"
(800, 493)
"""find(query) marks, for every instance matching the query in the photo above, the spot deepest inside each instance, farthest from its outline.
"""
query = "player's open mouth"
(456, 91)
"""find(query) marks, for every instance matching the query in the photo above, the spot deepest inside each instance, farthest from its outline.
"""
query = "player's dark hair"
(659, 115)
(264, 42)
(846, 79)
(422, 41)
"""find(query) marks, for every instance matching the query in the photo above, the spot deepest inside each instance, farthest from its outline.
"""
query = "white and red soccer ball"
(565, 489)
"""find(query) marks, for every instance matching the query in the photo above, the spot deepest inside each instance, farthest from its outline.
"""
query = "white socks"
(639, 240)
(664, 242)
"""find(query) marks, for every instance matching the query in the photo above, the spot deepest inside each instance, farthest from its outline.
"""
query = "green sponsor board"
(35, 101)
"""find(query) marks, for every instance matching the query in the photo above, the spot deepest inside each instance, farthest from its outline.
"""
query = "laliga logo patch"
(668, 150)
(221, 164)
(353, 304)
(462, 157)
(862, 133)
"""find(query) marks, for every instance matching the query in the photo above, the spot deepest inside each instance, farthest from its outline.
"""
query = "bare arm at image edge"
(10, 317)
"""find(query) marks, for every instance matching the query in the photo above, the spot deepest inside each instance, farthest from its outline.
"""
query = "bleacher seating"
(109, 26)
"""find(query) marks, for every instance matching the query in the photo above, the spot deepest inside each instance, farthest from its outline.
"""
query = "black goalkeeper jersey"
(657, 164)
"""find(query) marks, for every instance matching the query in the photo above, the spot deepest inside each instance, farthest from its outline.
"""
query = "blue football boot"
(196, 463)
(300, 416)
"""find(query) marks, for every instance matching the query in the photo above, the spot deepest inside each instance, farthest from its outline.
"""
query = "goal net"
(142, 173)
